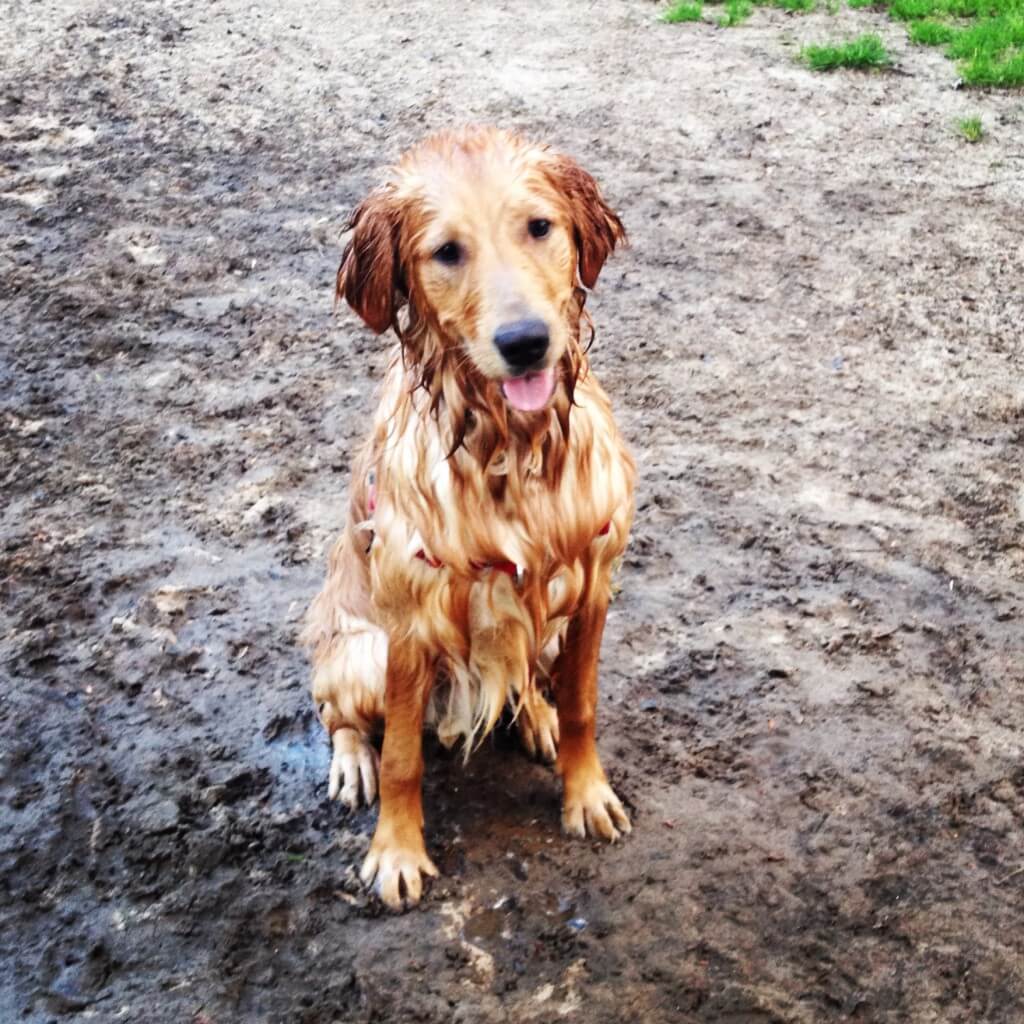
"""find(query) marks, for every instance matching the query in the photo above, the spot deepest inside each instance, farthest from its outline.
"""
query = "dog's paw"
(537, 725)
(594, 809)
(395, 871)
(354, 766)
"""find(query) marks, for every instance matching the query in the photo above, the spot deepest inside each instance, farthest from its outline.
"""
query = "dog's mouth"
(531, 392)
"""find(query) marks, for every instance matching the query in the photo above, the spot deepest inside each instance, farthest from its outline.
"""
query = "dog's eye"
(539, 227)
(449, 254)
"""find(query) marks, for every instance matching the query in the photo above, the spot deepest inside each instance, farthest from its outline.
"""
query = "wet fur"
(451, 471)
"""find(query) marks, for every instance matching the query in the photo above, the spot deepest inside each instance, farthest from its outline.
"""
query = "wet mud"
(812, 676)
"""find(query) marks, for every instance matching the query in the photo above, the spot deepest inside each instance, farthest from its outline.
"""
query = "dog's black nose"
(522, 344)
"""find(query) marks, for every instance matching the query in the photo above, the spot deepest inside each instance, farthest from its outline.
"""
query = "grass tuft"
(863, 52)
(931, 33)
(736, 12)
(913, 10)
(684, 11)
(971, 129)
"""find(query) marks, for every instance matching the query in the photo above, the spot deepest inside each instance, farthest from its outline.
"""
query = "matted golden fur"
(492, 497)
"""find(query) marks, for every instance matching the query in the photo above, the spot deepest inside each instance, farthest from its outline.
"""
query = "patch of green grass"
(912, 10)
(993, 36)
(736, 12)
(971, 128)
(863, 52)
(684, 11)
(985, 70)
(986, 37)
(991, 51)
(931, 33)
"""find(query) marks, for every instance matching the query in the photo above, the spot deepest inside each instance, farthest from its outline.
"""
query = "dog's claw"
(537, 726)
(396, 873)
(354, 766)
(595, 811)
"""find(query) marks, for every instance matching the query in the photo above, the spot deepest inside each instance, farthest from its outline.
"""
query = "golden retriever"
(492, 498)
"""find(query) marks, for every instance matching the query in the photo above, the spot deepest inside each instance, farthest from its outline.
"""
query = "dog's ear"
(596, 226)
(369, 278)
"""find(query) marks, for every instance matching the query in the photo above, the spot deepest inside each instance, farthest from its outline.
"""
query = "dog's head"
(487, 239)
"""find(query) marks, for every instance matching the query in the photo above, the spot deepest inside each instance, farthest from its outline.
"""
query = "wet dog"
(492, 498)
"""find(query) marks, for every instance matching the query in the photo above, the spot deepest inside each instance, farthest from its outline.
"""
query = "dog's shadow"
(499, 802)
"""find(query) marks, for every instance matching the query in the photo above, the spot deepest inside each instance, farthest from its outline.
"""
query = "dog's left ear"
(596, 225)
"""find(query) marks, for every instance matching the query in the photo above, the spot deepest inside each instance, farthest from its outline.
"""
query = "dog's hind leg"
(348, 691)
(350, 652)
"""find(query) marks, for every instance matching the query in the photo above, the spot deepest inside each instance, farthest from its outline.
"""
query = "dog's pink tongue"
(531, 391)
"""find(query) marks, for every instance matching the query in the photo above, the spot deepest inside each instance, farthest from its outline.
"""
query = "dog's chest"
(465, 548)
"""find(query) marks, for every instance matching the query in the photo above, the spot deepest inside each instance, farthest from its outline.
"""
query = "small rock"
(1005, 792)
(65, 993)
(213, 795)
(171, 600)
(160, 817)
(874, 688)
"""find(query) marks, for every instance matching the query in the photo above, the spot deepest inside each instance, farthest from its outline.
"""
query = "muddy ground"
(812, 677)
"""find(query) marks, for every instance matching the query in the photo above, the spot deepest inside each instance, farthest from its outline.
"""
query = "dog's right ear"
(369, 278)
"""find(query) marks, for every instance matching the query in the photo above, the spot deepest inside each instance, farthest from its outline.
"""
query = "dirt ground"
(813, 675)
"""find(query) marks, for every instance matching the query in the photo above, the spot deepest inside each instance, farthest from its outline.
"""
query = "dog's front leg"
(397, 855)
(589, 803)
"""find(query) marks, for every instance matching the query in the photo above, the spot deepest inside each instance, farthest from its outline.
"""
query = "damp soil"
(813, 674)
